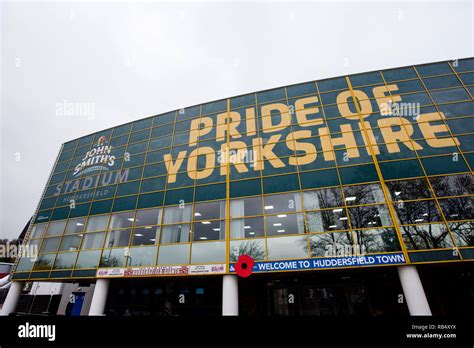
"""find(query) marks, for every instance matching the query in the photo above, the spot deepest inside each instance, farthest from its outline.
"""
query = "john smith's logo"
(102, 140)
(98, 158)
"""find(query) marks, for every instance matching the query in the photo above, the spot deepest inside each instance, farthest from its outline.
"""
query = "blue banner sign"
(329, 262)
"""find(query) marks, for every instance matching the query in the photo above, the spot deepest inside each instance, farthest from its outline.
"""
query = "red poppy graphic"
(244, 266)
(102, 140)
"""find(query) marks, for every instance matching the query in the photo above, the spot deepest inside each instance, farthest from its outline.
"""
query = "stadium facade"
(341, 190)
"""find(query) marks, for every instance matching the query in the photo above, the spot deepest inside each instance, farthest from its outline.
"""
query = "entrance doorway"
(334, 294)
(173, 296)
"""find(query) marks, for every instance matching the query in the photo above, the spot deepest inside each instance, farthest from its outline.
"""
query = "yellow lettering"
(347, 139)
(360, 97)
(302, 113)
(268, 126)
(385, 101)
(372, 139)
(172, 168)
(429, 131)
(193, 172)
(221, 128)
(265, 151)
(392, 137)
(308, 148)
(250, 121)
(196, 130)
(238, 159)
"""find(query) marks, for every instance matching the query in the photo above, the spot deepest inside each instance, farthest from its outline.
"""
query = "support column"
(13, 296)
(230, 295)
(413, 291)
(100, 297)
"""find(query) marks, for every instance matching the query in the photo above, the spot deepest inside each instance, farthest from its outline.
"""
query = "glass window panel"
(287, 248)
(177, 214)
(25, 264)
(93, 241)
(126, 203)
(75, 226)
(114, 257)
(143, 256)
(56, 228)
(450, 95)
(70, 243)
(246, 207)
(245, 188)
(358, 174)
(363, 194)
(173, 254)
(34, 244)
(122, 129)
(254, 248)
(65, 260)
(44, 262)
(128, 188)
(209, 230)
(408, 189)
(330, 244)
(370, 216)
(97, 223)
(38, 230)
(175, 233)
(434, 69)
(209, 211)
(117, 238)
(460, 208)
(429, 236)
(332, 84)
(247, 228)
(281, 183)
(164, 119)
(148, 217)
(88, 259)
(377, 240)
(122, 220)
(453, 185)
(442, 82)
(288, 202)
(321, 199)
(417, 212)
(49, 245)
(283, 224)
(213, 252)
(327, 220)
(146, 235)
(463, 233)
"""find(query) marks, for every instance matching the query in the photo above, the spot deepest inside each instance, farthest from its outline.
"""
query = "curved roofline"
(263, 90)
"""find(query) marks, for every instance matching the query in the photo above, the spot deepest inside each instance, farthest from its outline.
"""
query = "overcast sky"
(128, 61)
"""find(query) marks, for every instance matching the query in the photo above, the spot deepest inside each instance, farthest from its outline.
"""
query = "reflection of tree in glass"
(111, 261)
(59, 265)
(250, 248)
(409, 189)
(416, 212)
(42, 263)
(454, 185)
(428, 236)
(379, 240)
(320, 244)
(463, 233)
(329, 198)
(365, 216)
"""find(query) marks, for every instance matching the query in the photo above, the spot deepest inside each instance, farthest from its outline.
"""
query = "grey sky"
(132, 61)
